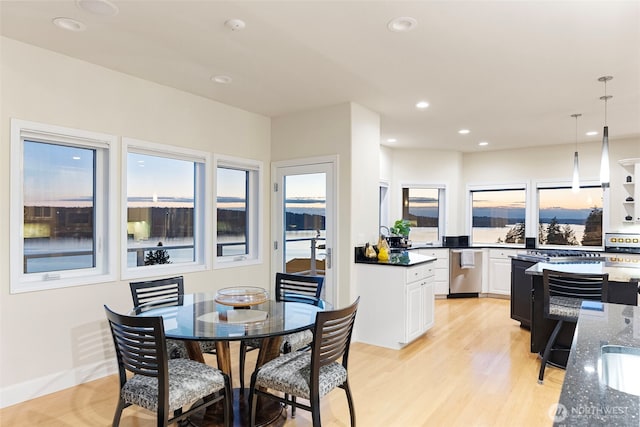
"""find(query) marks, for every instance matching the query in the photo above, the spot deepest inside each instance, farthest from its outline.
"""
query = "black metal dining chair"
(290, 288)
(168, 290)
(310, 374)
(172, 388)
(563, 296)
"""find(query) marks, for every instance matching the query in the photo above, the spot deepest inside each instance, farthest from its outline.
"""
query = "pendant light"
(575, 183)
(604, 158)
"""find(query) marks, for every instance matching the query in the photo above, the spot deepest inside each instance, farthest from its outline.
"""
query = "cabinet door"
(428, 304)
(521, 288)
(413, 320)
(500, 276)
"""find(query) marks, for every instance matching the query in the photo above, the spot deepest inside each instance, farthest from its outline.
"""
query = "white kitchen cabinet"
(396, 303)
(500, 271)
(441, 269)
(631, 193)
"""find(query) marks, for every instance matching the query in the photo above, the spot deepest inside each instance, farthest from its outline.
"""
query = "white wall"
(351, 132)
(57, 338)
(554, 164)
(365, 181)
(528, 165)
(428, 167)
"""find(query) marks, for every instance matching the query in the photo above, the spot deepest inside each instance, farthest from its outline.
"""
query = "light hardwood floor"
(473, 368)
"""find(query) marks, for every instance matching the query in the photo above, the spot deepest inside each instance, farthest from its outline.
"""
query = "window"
(566, 218)
(61, 205)
(238, 209)
(424, 208)
(165, 207)
(498, 216)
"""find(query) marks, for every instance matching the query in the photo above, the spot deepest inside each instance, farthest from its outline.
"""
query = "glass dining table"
(202, 317)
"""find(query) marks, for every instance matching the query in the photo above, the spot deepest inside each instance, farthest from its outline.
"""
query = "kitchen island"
(623, 289)
(591, 393)
(397, 299)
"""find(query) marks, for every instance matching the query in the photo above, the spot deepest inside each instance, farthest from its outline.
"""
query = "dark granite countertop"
(585, 400)
(616, 273)
(398, 259)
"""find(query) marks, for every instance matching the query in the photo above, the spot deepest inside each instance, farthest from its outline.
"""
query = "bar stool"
(563, 296)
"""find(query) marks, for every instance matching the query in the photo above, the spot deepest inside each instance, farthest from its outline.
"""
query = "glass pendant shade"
(604, 159)
(575, 183)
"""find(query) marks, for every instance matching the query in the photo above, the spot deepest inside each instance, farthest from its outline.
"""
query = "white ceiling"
(510, 71)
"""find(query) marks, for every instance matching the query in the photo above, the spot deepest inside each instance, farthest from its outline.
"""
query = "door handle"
(329, 252)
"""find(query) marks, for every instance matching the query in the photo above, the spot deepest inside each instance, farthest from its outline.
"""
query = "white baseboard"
(18, 393)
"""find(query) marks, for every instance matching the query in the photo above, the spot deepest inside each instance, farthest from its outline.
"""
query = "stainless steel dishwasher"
(465, 273)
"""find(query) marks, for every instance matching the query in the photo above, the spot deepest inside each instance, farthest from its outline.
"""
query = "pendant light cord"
(605, 102)
(577, 132)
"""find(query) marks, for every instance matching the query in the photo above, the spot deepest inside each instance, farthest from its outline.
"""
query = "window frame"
(442, 201)
(512, 186)
(255, 196)
(567, 185)
(105, 206)
(202, 216)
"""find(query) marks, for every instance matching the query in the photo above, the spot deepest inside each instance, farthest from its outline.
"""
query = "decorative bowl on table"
(241, 296)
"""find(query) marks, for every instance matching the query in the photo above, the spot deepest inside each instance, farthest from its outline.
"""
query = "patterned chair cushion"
(208, 346)
(296, 341)
(565, 307)
(290, 373)
(188, 382)
(176, 349)
(291, 342)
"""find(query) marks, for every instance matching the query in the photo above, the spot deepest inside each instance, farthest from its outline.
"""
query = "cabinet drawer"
(441, 263)
(441, 274)
(436, 253)
(502, 253)
(419, 272)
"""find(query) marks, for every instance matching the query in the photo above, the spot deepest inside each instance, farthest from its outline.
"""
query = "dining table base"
(268, 412)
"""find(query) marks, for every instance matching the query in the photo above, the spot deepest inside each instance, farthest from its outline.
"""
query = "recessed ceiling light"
(235, 24)
(69, 24)
(392, 140)
(483, 143)
(222, 79)
(422, 105)
(464, 131)
(76, 157)
(591, 133)
(98, 7)
(402, 24)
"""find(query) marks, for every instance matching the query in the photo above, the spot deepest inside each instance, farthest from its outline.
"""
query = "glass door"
(304, 221)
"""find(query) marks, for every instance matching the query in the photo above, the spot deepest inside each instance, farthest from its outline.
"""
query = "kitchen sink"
(620, 368)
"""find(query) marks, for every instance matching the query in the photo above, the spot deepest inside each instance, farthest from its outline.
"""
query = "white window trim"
(528, 212)
(105, 214)
(202, 214)
(606, 191)
(442, 205)
(255, 214)
(383, 207)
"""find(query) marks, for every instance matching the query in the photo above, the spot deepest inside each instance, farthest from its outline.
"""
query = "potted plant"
(400, 233)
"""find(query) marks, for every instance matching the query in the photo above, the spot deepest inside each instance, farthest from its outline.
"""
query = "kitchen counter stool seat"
(563, 296)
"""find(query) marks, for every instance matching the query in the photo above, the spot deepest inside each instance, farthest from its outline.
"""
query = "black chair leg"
(547, 350)
(352, 413)
(118, 413)
(243, 356)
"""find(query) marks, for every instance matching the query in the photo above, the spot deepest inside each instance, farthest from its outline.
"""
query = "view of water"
(491, 235)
